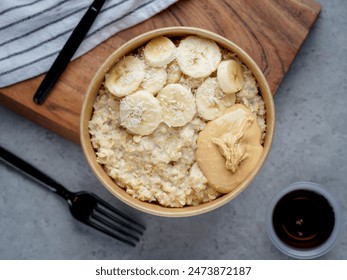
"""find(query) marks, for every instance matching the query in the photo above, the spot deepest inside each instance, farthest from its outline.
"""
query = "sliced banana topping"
(155, 79)
(230, 76)
(174, 73)
(126, 76)
(178, 105)
(159, 52)
(198, 57)
(211, 101)
(140, 113)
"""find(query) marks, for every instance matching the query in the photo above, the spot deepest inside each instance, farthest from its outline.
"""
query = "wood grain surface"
(270, 31)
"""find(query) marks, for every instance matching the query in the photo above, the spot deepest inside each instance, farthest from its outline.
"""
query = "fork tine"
(119, 221)
(110, 233)
(114, 226)
(110, 208)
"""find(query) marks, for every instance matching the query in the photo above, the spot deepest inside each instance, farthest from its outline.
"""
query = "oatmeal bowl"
(177, 122)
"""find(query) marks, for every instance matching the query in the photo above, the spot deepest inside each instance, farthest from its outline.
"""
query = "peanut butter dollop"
(229, 148)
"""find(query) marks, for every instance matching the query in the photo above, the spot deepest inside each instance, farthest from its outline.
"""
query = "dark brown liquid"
(303, 219)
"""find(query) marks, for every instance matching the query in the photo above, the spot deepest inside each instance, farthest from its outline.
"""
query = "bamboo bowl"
(87, 110)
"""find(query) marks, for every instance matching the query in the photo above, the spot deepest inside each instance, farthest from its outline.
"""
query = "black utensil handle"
(68, 51)
(33, 173)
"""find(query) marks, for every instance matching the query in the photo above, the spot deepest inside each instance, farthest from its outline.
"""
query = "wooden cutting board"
(271, 31)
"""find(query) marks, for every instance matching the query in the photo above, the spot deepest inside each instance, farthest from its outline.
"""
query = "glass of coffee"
(303, 220)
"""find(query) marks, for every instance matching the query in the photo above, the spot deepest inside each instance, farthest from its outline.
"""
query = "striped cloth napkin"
(32, 32)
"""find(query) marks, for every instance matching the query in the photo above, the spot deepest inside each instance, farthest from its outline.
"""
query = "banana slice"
(155, 79)
(174, 73)
(140, 113)
(230, 76)
(198, 57)
(126, 76)
(159, 51)
(211, 101)
(178, 105)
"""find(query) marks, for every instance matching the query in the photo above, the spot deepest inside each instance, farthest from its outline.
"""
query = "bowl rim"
(87, 109)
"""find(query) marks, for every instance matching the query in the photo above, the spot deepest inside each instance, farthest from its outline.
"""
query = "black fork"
(84, 206)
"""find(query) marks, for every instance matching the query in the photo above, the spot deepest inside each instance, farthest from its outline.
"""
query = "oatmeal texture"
(161, 167)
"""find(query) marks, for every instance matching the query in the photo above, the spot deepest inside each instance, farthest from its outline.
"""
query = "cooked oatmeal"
(161, 167)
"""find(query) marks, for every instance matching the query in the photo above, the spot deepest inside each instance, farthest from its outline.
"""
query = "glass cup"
(303, 220)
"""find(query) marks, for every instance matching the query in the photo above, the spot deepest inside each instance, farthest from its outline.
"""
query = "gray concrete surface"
(310, 144)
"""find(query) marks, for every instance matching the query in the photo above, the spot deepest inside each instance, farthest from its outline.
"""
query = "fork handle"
(33, 173)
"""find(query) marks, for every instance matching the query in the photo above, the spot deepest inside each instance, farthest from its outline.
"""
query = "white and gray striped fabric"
(32, 32)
